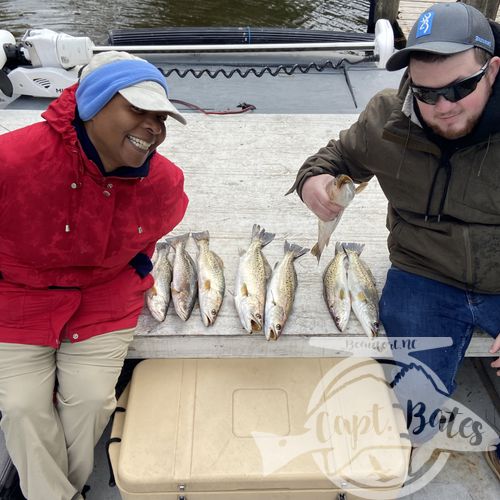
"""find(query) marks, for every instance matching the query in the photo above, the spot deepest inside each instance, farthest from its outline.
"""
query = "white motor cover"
(384, 41)
(48, 48)
(5, 37)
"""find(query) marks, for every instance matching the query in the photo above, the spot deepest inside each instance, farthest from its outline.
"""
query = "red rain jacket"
(67, 233)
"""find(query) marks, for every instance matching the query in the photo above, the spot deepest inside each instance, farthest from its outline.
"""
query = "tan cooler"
(266, 429)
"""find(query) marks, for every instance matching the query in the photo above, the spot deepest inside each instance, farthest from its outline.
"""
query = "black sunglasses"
(452, 93)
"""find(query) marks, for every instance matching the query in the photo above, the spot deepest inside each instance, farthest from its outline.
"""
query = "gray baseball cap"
(445, 28)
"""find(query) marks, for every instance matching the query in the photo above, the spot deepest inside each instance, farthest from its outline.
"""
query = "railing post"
(488, 7)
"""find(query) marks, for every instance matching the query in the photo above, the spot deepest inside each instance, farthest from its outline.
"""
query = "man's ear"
(493, 68)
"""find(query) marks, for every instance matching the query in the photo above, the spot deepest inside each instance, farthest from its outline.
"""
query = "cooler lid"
(258, 424)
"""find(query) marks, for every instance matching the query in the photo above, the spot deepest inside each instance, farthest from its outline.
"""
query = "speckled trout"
(340, 190)
(281, 291)
(158, 296)
(336, 289)
(364, 296)
(211, 283)
(253, 273)
(184, 285)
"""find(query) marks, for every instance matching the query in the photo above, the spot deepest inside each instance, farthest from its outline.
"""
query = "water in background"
(94, 18)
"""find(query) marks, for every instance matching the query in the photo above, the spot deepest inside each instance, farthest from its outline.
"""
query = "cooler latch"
(182, 488)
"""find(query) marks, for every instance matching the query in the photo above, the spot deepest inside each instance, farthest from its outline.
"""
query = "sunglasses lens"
(466, 87)
(426, 95)
(452, 93)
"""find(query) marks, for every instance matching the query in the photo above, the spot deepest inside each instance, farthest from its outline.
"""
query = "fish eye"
(214, 312)
(258, 316)
(278, 327)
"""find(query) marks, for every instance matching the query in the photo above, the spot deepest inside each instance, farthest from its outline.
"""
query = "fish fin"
(153, 290)
(353, 247)
(241, 251)
(219, 260)
(368, 270)
(296, 250)
(244, 290)
(207, 285)
(265, 238)
(202, 235)
(361, 187)
(267, 268)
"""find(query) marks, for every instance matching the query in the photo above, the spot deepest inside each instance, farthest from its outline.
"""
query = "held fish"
(340, 190)
(336, 289)
(364, 296)
(253, 272)
(158, 296)
(281, 291)
(211, 283)
(184, 286)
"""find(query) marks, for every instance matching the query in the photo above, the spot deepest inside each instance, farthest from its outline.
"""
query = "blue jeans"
(413, 306)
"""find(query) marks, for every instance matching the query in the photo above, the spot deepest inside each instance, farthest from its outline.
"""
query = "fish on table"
(341, 190)
(158, 296)
(184, 285)
(211, 282)
(251, 278)
(364, 296)
(336, 288)
(281, 291)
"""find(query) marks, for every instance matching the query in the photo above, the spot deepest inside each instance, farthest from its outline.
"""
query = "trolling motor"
(42, 64)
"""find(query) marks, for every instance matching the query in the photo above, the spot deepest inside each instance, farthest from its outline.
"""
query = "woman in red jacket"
(84, 196)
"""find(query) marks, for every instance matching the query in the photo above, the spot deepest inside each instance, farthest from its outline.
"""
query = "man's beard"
(451, 133)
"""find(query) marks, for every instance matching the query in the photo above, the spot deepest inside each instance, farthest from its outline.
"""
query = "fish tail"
(161, 245)
(255, 231)
(361, 187)
(339, 247)
(315, 250)
(296, 250)
(203, 235)
(353, 247)
(175, 240)
(261, 235)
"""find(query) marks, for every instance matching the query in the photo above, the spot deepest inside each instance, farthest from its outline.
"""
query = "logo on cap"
(482, 40)
(425, 24)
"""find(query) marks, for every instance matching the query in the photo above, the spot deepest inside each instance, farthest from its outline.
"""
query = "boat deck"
(237, 170)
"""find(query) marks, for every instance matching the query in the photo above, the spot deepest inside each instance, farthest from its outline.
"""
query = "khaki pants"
(52, 445)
